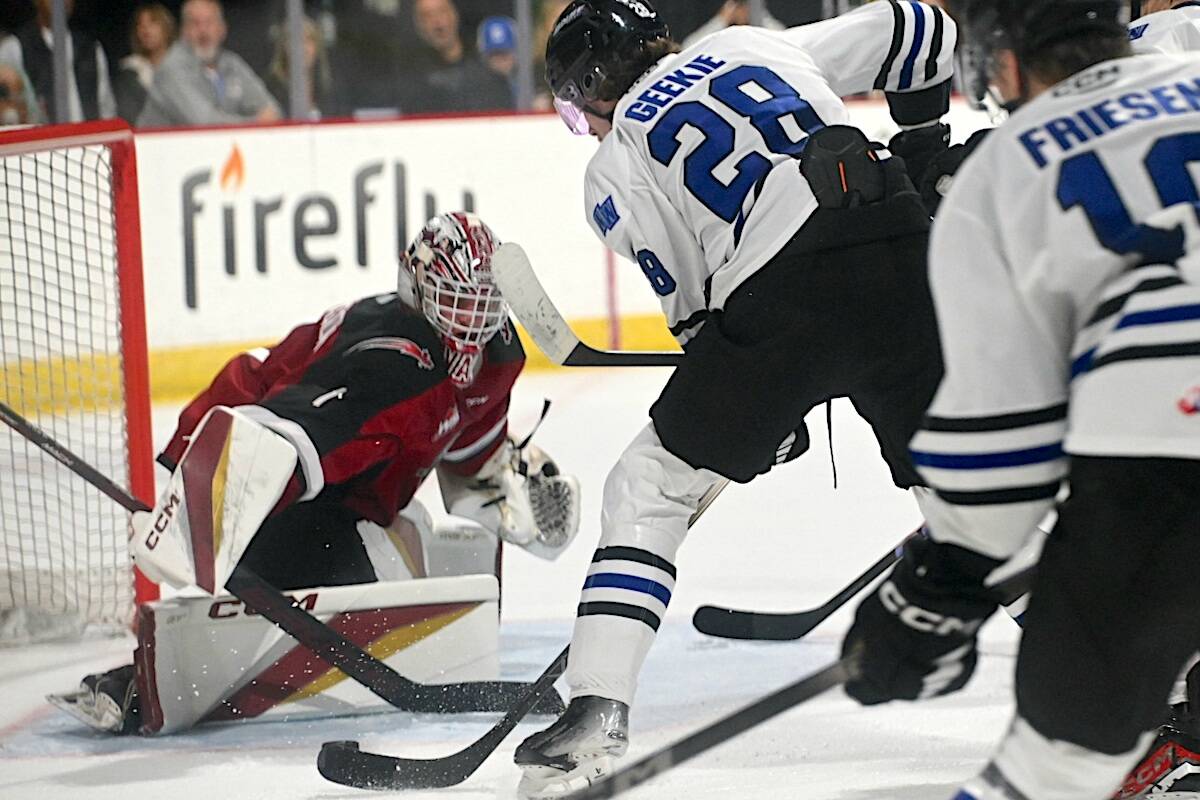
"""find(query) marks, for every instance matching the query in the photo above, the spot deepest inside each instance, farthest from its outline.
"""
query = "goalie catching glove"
(521, 496)
(915, 636)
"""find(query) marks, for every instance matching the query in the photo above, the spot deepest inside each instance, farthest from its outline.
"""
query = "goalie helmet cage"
(73, 360)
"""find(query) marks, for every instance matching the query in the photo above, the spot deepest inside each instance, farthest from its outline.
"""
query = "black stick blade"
(479, 697)
(344, 763)
(730, 623)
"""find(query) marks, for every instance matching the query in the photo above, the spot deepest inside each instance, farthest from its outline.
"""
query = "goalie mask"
(1026, 27)
(447, 273)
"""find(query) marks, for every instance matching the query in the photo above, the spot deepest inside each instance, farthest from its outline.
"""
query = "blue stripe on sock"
(615, 580)
(1010, 458)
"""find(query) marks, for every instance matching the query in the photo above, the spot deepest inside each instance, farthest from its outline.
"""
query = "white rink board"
(524, 173)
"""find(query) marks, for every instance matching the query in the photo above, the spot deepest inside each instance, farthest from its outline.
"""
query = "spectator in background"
(200, 83)
(14, 101)
(89, 92)
(450, 77)
(548, 13)
(733, 12)
(497, 43)
(321, 96)
(150, 37)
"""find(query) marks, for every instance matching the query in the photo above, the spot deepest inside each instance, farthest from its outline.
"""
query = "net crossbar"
(72, 360)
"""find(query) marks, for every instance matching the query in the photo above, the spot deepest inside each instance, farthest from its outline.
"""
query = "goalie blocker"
(234, 473)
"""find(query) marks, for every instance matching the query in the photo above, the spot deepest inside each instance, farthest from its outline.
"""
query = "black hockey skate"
(1172, 766)
(106, 701)
(575, 751)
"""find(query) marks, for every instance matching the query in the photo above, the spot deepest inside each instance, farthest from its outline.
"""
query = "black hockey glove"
(938, 177)
(914, 637)
(919, 147)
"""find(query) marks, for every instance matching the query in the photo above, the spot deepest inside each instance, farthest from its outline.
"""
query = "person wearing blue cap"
(497, 44)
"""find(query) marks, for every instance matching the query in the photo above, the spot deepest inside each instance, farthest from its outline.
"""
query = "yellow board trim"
(178, 374)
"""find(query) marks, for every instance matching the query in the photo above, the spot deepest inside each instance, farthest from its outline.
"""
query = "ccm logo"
(922, 619)
(162, 521)
(228, 609)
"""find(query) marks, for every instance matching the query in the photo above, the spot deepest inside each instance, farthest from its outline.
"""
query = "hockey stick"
(536, 311)
(343, 762)
(742, 720)
(326, 643)
(718, 732)
(730, 623)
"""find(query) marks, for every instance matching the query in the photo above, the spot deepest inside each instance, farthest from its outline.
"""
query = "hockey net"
(73, 362)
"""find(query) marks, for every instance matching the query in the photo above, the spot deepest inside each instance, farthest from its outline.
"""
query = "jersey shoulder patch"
(383, 326)
(605, 215)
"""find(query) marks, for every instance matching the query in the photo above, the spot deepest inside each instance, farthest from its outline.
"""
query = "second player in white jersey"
(1170, 26)
(697, 183)
(1055, 209)
(1063, 266)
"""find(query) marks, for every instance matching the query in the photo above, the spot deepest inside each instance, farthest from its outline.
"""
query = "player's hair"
(1061, 59)
(617, 83)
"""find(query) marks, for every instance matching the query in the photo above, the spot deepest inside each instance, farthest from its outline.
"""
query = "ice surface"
(786, 542)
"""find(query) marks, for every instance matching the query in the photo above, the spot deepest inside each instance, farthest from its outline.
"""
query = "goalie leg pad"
(228, 480)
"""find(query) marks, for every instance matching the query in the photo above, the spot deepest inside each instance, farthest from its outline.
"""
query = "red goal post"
(73, 359)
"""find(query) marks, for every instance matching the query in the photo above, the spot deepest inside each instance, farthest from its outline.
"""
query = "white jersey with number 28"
(698, 182)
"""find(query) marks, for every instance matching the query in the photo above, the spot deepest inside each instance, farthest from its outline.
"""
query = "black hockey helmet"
(591, 41)
(1026, 27)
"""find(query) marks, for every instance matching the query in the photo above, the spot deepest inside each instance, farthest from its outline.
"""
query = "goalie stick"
(730, 623)
(343, 762)
(550, 332)
(326, 643)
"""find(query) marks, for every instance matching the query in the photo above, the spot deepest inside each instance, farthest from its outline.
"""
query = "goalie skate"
(575, 751)
(106, 701)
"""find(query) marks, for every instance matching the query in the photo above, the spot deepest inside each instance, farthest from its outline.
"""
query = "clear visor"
(468, 315)
(976, 65)
(569, 103)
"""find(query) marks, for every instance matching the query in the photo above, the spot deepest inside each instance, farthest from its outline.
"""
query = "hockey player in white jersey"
(1169, 26)
(1063, 266)
(789, 257)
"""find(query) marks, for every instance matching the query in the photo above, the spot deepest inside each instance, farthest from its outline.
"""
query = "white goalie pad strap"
(399, 552)
(229, 478)
(479, 445)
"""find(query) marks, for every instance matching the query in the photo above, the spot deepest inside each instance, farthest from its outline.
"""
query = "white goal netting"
(65, 358)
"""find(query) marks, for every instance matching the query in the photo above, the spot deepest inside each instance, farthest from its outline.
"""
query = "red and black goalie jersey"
(365, 398)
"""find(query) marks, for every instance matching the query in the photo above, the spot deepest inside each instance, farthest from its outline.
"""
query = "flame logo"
(234, 171)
